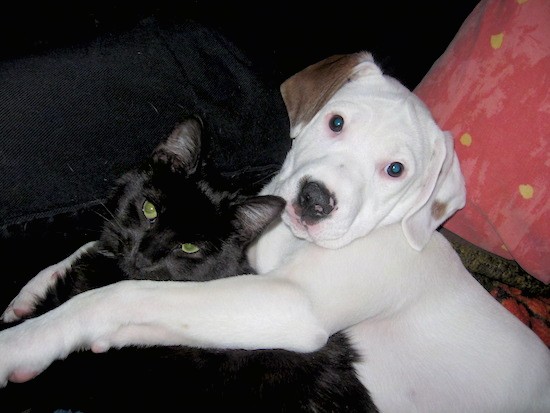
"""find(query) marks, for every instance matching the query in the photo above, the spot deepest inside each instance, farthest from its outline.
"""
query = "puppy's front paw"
(26, 371)
(27, 349)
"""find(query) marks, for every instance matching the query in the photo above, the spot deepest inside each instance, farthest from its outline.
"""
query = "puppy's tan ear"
(306, 92)
(443, 194)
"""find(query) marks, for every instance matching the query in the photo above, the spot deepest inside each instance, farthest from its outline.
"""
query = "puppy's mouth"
(313, 203)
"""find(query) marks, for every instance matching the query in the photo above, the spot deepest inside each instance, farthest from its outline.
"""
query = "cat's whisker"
(107, 209)
(106, 219)
(113, 220)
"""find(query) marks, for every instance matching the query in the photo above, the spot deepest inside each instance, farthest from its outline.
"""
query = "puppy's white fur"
(431, 338)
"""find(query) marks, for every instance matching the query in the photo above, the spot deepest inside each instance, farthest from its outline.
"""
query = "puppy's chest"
(273, 248)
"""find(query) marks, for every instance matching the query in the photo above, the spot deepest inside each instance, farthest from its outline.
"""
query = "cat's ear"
(181, 149)
(256, 213)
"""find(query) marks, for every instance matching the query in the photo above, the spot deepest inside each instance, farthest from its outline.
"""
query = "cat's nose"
(136, 260)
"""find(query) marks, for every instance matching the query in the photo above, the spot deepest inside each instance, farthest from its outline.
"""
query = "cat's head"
(169, 224)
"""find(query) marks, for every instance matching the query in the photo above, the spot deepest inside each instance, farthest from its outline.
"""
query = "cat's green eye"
(149, 210)
(189, 248)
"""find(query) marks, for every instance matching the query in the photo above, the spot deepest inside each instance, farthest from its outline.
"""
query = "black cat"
(168, 224)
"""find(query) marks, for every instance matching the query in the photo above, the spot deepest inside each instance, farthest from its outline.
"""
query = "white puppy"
(369, 178)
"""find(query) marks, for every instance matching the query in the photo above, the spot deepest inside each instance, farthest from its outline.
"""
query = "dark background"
(281, 37)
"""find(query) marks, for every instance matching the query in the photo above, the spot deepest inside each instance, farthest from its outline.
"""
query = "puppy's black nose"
(315, 202)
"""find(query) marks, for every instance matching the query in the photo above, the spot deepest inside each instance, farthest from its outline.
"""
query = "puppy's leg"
(23, 304)
(272, 310)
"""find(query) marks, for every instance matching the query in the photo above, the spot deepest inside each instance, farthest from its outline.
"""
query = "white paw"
(28, 349)
(23, 304)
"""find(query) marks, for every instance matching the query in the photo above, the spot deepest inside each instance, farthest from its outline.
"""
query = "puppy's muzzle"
(314, 203)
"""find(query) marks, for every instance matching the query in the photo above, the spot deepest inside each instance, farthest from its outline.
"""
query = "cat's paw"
(23, 304)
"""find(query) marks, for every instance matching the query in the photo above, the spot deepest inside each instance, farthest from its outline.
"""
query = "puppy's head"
(366, 153)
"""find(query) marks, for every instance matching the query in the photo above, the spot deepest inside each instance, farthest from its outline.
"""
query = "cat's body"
(168, 224)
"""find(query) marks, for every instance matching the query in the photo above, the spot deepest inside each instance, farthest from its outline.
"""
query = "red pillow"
(491, 89)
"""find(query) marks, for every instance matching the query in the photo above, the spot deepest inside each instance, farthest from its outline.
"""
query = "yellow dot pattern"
(496, 40)
(526, 191)
(466, 139)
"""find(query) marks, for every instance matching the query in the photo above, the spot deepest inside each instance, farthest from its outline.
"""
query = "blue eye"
(336, 123)
(395, 169)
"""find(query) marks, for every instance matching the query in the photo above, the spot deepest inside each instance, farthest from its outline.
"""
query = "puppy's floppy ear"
(306, 92)
(442, 194)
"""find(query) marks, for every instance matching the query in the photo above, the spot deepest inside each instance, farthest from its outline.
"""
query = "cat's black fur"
(131, 246)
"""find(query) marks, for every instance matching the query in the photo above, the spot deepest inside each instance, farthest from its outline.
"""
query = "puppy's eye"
(336, 123)
(189, 248)
(149, 210)
(395, 169)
